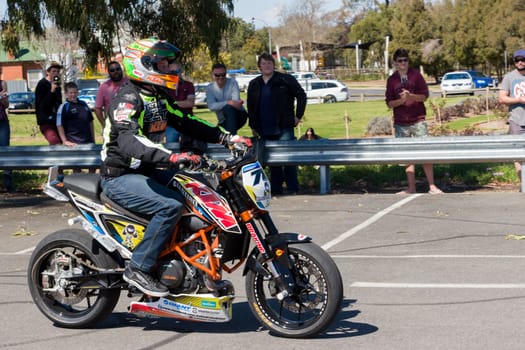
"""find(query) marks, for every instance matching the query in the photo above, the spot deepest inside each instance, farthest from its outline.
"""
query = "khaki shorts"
(417, 130)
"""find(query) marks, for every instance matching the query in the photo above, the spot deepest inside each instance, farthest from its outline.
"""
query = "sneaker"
(145, 282)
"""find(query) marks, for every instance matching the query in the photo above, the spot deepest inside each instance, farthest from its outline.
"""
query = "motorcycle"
(293, 287)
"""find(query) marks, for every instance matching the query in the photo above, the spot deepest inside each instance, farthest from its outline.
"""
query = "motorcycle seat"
(85, 184)
(143, 219)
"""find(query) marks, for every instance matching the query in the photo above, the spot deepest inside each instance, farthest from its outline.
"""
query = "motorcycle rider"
(138, 114)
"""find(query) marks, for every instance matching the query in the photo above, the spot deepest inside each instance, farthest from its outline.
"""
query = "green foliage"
(410, 28)
(187, 24)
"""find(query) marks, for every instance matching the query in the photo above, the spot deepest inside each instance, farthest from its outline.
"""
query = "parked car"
(243, 80)
(482, 81)
(87, 84)
(325, 91)
(459, 82)
(88, 91)
(200, 95)
(89, 99)
(19, 101)
(304, 77)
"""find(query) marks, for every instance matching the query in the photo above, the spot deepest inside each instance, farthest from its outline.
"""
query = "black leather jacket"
(284, 89)
(135, 116)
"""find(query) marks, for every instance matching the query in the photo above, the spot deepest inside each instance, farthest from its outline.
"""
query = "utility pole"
(269, 33)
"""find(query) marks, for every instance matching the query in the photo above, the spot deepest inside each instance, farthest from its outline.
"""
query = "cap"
(53, 64)
(519, 53)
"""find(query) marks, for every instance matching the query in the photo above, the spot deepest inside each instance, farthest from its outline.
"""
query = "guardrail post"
(324, 179)
(522, 187)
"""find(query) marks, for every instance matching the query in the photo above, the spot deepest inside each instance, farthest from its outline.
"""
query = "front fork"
(269, 243)
(273, 250)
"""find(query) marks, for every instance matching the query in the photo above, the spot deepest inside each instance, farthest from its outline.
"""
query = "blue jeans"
(144, 195)
(234, 119)
(288, 174)
(172, 135)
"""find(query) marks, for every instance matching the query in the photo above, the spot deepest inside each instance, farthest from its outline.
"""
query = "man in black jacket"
(273, 115)
(48, 97)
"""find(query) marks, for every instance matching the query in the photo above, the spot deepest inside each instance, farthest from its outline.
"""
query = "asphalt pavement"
(420, 272)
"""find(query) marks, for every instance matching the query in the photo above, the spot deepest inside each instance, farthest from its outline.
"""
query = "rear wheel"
(330, 99)
(315, 299)
(57, 258)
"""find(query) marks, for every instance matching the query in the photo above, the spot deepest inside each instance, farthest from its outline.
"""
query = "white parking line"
(20, 252)
(369, 221)
(438, 285)
(25, 251)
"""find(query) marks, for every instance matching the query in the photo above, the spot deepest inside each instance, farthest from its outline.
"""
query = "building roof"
(25, 53)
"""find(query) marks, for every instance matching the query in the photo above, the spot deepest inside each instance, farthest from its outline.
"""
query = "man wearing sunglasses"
(512, 94)
(406, 93)
(108, 89)
(224, 98)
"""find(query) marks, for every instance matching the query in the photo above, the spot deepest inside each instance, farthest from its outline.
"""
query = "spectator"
(5, 131)
(310, 135)
(271, 102)
(108, 89)
(185, 97)
(48, 97)
(224, 98)
(406, 93)
(171, 134)
(512, 94)
(75, 120)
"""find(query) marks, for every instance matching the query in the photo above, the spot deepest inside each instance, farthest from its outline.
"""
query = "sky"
(267, 12)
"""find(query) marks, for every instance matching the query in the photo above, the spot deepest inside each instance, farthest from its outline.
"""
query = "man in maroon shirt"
(406, 93)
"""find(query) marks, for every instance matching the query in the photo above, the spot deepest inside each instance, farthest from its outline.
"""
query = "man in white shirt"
(224, 98)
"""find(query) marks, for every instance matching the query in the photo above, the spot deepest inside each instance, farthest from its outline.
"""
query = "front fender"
(280, 241)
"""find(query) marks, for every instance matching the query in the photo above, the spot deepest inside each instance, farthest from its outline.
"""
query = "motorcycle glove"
(185, 159)
(235, 141)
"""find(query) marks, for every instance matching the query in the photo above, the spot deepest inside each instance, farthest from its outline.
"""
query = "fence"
(325, 153)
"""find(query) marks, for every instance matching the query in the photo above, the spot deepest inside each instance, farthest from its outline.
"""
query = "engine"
(171, 273)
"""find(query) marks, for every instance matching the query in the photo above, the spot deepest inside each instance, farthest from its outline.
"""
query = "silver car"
(200, 95)
(325, 91)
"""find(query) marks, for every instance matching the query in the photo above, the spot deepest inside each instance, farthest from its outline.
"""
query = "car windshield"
(20, 96)
(457, 76)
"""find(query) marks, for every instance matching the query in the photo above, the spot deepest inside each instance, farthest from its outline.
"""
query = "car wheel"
(330, 99)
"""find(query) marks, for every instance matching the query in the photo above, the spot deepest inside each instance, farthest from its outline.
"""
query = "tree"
(98, 23)
(410, 27)
(373, 28)
(303, 22)
(245, 43)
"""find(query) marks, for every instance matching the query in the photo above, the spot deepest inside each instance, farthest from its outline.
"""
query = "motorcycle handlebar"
(238, 158)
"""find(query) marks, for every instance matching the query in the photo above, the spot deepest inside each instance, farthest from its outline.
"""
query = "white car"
(459, 82)
(200, 95)
(90, 100)
(325, 91)
(243, 80)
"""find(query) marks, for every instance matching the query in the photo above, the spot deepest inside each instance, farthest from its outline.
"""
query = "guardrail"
(325, 153)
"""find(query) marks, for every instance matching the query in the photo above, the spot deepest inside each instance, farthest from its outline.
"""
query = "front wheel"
(57, 264)
(315, 300)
